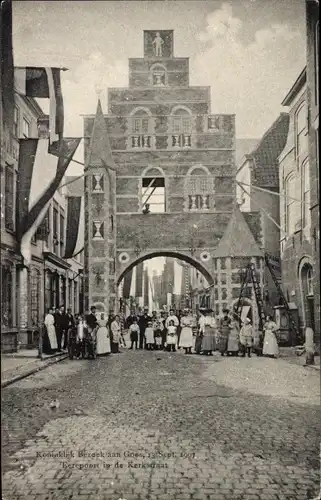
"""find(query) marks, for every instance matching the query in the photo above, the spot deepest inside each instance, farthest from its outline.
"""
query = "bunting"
(40, 171)
(127, 284)
(75, 226)
(43, 83)
(139, 280)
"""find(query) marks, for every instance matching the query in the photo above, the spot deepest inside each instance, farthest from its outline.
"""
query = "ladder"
(293, 327)
(250, 275)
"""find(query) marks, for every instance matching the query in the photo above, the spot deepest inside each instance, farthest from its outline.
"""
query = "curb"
(34, 370)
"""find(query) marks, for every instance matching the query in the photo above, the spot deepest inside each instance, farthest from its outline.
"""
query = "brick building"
(260, 169)
(171, 152)
(312, 72)
(50, 279)
(295, 187)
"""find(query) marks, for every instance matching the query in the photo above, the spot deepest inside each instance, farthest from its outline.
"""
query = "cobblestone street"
(159, 426)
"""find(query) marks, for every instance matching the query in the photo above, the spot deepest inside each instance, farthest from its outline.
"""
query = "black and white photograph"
(160, 250)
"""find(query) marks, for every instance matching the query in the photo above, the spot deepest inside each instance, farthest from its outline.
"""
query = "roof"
(76, 185)
(32, 104)
(265, 156)
(237, 240)
(296, 87)
(100, 151)
(243, 147)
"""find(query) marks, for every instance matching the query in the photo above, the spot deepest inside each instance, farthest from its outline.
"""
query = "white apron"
(102, 336)
(50, 325)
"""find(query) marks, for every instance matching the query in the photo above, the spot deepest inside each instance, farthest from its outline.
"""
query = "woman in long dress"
(208, 341)
(233, 338)
(116, 334)
(49, 345)
(224, 331)
(199, 335)
(270, 344)
(186, 338)
(102, 336)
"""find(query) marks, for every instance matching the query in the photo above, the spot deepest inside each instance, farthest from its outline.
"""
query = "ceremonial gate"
(160, 180)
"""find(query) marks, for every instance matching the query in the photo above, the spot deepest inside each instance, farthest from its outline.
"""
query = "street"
(160, 426)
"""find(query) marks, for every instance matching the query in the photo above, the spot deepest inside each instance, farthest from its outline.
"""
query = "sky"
(249, 51)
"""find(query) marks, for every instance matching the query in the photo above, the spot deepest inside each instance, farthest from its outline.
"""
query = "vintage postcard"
(160, 265)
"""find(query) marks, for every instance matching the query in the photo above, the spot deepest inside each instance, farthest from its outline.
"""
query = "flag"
(42, 83)
(40, 171)
(139, 279)
(127, 284)
(75, 226)
(6, 61)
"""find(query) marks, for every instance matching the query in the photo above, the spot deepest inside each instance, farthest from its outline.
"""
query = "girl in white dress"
(51, 332)
(102, 336)
(186, 338)
(149, 336)
(270, 344)
(171, 338)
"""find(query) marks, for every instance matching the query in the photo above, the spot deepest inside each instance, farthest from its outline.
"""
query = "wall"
(295, 245)
(313, 54)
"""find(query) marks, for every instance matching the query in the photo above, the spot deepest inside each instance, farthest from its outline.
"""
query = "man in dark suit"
(91, 319)
(143, 323)
(130, 319)
(61, 324)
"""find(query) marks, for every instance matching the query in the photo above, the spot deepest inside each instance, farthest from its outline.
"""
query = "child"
(134, 331)
(149, 336)
(171, 339)
(246, 338)
(158, 327)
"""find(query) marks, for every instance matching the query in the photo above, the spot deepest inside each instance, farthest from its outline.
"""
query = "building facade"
(173, 154)
(260, 169)
(312, 71)
(50, 280)
(298, 264)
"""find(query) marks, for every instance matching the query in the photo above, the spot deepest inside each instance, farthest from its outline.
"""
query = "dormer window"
(158, 75)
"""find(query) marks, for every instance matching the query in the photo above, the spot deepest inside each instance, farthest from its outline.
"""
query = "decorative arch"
(153, 172)
(181, 107)
(140, 111)
(195, 168)
(158, 75)
(305, 276)
(176, 255)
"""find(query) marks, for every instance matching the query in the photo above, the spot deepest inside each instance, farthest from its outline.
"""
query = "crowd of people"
(202, 334)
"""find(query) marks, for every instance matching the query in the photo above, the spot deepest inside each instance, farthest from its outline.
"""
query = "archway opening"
(307, 294)
(160, 282)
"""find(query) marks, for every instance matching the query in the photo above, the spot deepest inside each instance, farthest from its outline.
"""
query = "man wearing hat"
(246, 337)
(143, 321)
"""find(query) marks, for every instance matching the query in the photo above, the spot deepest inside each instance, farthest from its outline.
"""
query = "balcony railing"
(199, 202)
(181, 141)
(141, 141)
